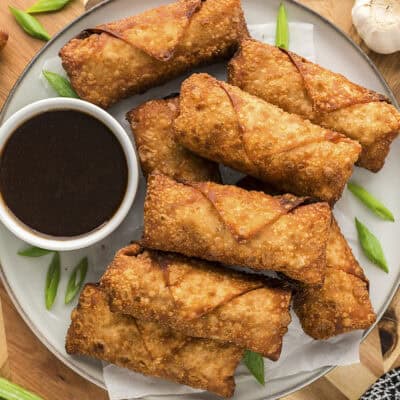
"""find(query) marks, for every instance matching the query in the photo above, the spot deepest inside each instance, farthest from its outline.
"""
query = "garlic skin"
(378, 24)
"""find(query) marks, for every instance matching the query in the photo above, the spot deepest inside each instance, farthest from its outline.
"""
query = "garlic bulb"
(378, 23)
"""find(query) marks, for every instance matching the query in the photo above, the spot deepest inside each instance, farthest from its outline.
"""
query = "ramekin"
(56, 243)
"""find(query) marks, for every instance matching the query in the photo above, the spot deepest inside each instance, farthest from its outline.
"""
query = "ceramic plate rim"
(321, 371)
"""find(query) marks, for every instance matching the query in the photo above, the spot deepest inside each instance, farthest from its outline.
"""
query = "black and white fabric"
(387, 387)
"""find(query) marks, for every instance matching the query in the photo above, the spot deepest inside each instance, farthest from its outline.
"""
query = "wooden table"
(34, 367)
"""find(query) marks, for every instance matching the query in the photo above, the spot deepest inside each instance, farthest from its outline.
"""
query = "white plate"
(24, 278)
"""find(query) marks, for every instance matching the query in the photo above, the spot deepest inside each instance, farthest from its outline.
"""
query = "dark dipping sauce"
(63, 173)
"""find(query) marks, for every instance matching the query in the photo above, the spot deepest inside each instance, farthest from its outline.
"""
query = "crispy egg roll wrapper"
(126, 57)
(150, 348)
(326, 98)
(342, 303)
(236, 227)
(199, 299)
(225, 124)
(152, 127)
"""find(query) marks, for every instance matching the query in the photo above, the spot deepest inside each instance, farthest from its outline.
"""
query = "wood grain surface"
(4, 367)
(34, 367)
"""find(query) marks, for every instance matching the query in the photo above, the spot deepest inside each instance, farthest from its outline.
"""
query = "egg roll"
(127, 57)
(227, 125)
(152, 127)
(326, 98)
(236, 227)
(342, 303)
(149, 348)
(199, 299)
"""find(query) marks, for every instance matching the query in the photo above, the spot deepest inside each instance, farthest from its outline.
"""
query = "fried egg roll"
(233, 226)
(3, 39)
(152, 127)
(225, 124)
(326, 98)
(199, 299)
(342, 303)
(149, 348)
(126, 57)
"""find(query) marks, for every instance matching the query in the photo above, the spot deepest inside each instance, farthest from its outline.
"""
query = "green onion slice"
(371, 246)
(42, 6)
(370, 201)
(52, 280)
(60, 84)
(76, 280)
(30, 24)
(282, 29)
(255, 363)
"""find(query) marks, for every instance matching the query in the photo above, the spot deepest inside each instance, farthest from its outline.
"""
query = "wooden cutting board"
(34, 367)
(4, 367)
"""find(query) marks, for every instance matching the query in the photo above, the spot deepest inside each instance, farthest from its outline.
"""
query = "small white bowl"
(49, 242)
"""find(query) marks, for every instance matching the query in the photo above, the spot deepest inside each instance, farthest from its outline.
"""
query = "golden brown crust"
(3, 39)
(329, 91)
(152, 127)
(225, 124)
(199, 299)
(245, 225)
(339, 255)
(375, 125)
(127, 57)
(342, 303)
(149, 348)
(157, 32)
(322, 96)
(181, 218)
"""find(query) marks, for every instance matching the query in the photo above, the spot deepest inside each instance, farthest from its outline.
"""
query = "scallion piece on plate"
(60, 84)
(76, 280)
(33, 251)
(52, 280)
(371, 202)
(255, 363)
(371, 246)
(282, 29)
